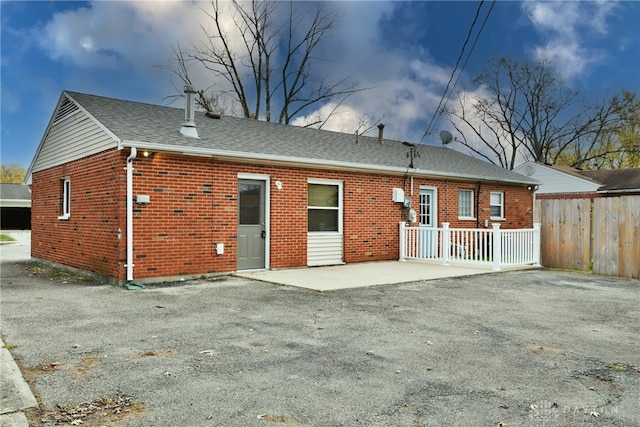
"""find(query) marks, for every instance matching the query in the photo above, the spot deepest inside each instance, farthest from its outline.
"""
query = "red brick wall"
(93, 237)
(193, 206)
(518, 203)
(590, 196)
(567, 196)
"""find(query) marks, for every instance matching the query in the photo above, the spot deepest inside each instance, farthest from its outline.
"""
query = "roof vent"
(188, 128)
(380, 133)
(66, 109)
(212, 115)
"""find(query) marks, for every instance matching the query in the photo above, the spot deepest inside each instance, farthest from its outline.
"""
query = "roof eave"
(327, 164)
(622, 190)
(28, 175)
(15, 203)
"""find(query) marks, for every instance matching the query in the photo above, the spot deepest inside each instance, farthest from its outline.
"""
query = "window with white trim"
(66, 198)
(323, 207)
(465, 204)
(496, 205)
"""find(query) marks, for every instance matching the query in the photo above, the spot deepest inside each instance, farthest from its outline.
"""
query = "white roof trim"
(328, 164)
(96, 121)
(15, 203)
(63, 95)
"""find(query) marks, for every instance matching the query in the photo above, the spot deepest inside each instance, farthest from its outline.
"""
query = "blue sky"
(403, 51)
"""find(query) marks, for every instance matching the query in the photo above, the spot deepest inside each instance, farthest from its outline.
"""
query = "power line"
(472, 48)
(439, 110)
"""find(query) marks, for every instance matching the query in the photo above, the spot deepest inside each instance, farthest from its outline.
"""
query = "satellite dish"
(446, 137)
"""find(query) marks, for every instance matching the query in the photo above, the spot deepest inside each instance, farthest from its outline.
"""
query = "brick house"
(131, 191)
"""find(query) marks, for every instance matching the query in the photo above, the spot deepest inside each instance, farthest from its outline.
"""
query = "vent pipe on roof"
(188, 128)
(380, 133)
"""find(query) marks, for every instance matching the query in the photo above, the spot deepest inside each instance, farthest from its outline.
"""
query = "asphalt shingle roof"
(615, 180)
(611, 180)
(136, 123)
(14, 192)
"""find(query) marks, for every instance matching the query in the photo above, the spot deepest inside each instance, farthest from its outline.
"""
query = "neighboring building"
(138, 191)
(564, 182)
(15, 207)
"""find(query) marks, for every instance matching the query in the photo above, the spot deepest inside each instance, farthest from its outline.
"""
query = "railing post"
(403, 241)
(446, 242)
(497, 247)
(536, 244)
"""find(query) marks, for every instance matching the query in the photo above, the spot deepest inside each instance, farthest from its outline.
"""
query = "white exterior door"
(428, 220)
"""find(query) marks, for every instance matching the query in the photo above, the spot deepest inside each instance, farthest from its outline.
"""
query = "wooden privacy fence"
(601, 235)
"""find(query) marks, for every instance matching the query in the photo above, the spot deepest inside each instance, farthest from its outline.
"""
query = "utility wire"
(439, 110)
(464, 46)
(471, 50)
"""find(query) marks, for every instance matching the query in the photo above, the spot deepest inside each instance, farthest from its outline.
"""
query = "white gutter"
(129, 265)
(328, 164)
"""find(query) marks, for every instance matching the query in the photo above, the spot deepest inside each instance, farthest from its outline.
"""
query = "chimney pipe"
(380, 134)
(188, 128)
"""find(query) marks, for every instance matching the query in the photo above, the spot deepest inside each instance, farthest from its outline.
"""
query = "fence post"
(403, 241)
(497, 247)
(446, 242)
(536, 244)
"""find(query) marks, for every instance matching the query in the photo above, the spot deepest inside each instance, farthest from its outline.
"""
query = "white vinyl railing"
(492, 247)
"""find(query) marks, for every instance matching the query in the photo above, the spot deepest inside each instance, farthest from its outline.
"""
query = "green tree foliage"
(618, 146)
(12, 173)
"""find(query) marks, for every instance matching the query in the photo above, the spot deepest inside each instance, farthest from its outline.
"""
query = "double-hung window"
(66, 199)
(324, 207)
(496, 205)
(465, 204)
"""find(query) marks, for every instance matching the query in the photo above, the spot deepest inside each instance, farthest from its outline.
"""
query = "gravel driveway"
(528, 348)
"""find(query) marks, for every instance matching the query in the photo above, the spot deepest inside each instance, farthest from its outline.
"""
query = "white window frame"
(460, 214)
(501, 205)
(339, 208)
(66, 198)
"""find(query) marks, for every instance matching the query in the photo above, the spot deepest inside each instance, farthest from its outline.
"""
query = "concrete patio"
(358, 275)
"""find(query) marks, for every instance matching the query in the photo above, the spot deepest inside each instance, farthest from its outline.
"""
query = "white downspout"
(129, 265)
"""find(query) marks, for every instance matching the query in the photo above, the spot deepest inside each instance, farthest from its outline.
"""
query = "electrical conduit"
(129, 265)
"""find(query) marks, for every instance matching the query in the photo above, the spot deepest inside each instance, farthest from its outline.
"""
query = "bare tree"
(179, 65)
(618, 146)
(266, 62)
(531, 114)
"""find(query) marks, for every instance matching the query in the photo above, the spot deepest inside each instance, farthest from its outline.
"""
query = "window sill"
(466, 218)
(497, 218)
(64, 217)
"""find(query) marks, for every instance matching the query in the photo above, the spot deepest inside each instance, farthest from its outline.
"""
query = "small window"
(324, 207)
(497, 204)
(465, 204)
(66, 199)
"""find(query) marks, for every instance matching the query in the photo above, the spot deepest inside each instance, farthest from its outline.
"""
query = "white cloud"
(488, 144)
(400, 101)
(405, 87)
(113, 34)
(567, 27)
(343, 118)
